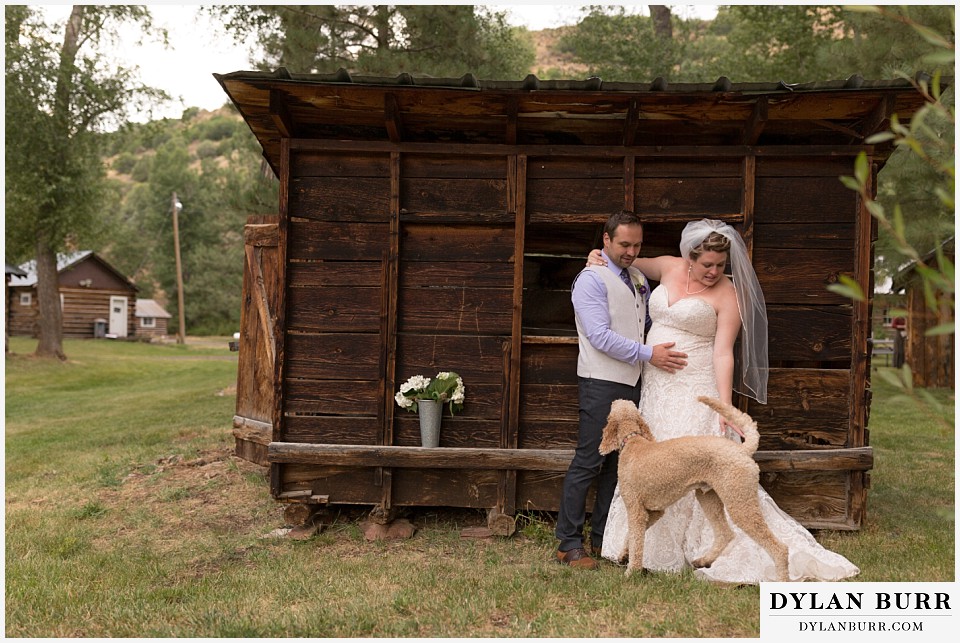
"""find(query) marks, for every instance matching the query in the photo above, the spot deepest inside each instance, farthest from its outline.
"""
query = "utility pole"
(175, 205)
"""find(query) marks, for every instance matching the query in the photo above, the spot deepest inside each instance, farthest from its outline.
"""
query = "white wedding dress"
(668, 403)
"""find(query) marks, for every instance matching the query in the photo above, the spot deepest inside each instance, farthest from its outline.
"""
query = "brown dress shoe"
(576, 558)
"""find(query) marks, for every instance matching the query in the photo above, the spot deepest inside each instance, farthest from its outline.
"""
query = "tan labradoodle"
(653, 475)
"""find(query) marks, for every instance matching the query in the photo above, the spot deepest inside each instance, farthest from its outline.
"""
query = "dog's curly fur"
(653, 475)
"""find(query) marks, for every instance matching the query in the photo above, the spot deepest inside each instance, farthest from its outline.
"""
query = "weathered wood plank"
(334, 309)
(331, 397)
(549, 364)
(806, 409)
(474, 274)
(575, 169)
(458, 243)
(340, 198)
(421, 457)
(808, 199)
(454, 195)
(804, 333)
(455, 432)
(818, 499)
(476, 358)
(576, 196)
(702, 196)
(801, 277)
(445, 488)
(359, 274)
(342, 485)
(801, 236)
(347, 455)
(261, 234)
(331, 429)
(486, 311)
(348, 164)
(333, 356)
(449, 166)
(548, 402)
(548, 434)
(315, 241)
(806, 166)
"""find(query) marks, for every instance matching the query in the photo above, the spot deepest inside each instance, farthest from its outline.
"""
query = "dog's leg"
(722, 534)
(748, 516)
(637, 519)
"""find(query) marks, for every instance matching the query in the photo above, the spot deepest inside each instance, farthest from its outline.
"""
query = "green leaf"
(862, 8)
(880, 137)
(941, 329)
(931, 36)
(848, 288)
(851, 183)
(898, 312)
(861, 168)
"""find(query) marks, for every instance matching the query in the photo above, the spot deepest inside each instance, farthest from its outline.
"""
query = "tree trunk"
(48, 300)
(662, 21)
(48, 281)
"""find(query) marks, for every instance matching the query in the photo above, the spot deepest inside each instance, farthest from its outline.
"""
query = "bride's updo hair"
(715, 242)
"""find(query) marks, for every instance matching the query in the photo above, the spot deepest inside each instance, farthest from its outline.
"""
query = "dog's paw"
(701, 563)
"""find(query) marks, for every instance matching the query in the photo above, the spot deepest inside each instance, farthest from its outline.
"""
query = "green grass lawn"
(126, 515)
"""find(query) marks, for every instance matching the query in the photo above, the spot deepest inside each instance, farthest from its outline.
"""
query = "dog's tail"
(739, 418)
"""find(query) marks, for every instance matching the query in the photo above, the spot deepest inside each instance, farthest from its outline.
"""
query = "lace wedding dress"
(669, 404)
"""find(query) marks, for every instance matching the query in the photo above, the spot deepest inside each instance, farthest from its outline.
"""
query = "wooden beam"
(279, 317)
(513, 107)
(544, 217)
(280, 114)
(629, 176)
(631, 123)
(391, 113)
(261, 234)
(756, 123)
(878, 116)
(585, 151)
(839, 128)
(558, 460)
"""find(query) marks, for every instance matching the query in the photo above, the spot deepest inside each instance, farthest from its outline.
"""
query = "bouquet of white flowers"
(446, 387)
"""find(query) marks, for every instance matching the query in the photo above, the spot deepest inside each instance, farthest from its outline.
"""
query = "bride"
(701, 309)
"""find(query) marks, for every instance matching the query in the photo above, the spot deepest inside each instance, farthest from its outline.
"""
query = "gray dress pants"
(588, 465)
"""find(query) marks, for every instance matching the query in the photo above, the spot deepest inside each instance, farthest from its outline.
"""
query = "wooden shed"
(931, 358)
(437, 224)
(152, 319)
(95, 298)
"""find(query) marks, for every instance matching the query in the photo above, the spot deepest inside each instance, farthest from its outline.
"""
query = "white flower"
(403, 401)
(415, 383)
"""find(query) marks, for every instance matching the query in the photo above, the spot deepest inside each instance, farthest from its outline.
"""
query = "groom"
(610, 306)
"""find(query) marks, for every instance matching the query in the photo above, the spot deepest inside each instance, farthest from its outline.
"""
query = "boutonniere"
(640, 284)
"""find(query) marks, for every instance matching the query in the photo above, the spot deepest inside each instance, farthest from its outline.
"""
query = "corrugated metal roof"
(150, 308)
(64, 261)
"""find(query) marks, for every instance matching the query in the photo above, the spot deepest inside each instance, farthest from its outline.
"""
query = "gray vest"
(627, 316)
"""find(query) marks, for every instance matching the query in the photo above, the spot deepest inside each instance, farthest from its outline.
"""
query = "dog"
(653, 475)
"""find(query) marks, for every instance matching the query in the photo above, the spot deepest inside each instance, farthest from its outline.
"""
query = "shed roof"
(534, 112)
(15, 271)
(65, 261)
(150, 308)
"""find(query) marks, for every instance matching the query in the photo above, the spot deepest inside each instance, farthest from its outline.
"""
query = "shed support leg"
(501, 524)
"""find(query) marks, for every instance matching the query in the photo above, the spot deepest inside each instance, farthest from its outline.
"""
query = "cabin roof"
(534, 112)
(65, 261)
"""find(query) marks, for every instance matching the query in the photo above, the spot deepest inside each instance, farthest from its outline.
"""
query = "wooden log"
(854, 459)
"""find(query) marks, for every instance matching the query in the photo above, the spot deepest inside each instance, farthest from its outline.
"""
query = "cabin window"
(26, 299)
(148, 322)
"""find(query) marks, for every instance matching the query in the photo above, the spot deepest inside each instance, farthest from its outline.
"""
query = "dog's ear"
(608, 444)
(644, 428)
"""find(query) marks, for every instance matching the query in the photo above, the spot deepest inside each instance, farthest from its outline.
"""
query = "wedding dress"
(668, 403)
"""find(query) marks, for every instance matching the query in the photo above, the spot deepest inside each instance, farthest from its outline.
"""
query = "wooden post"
(175, 205)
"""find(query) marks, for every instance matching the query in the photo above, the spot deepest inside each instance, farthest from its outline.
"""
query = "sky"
(199, 48)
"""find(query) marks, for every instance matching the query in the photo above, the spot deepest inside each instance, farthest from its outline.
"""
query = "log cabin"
(432, 224)
(95, 298)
